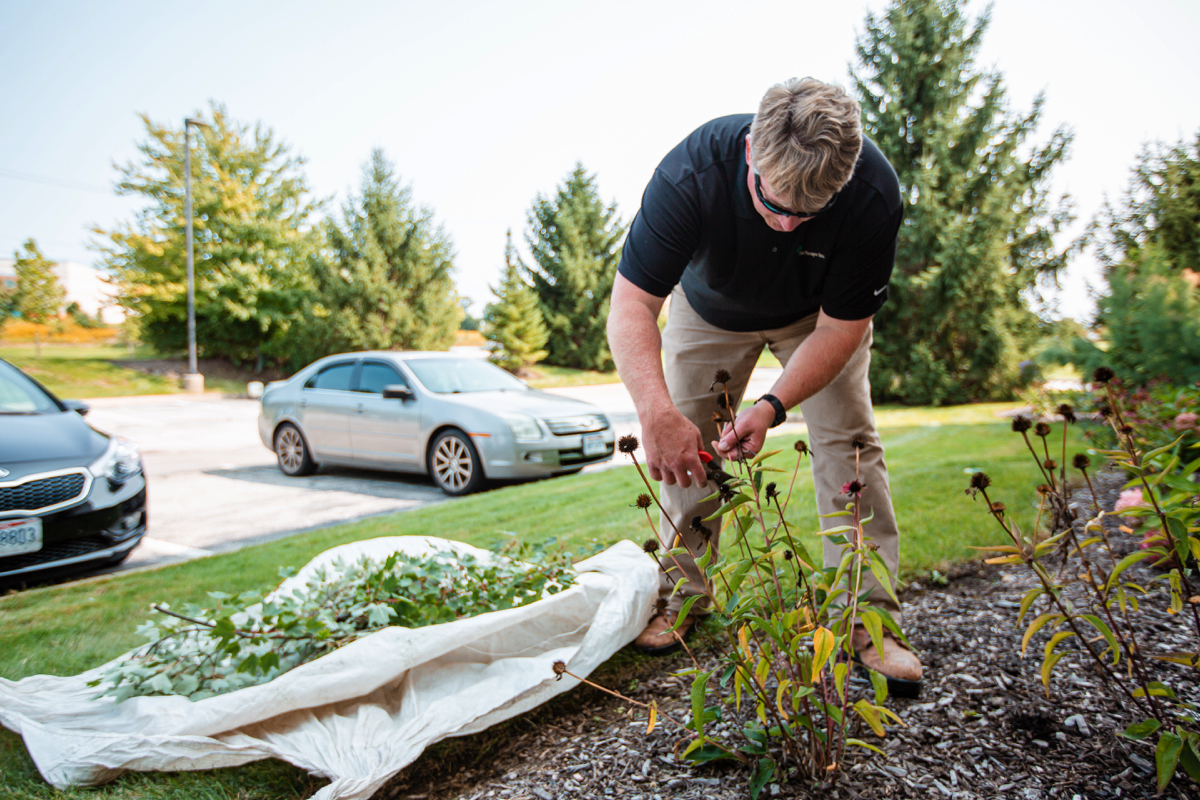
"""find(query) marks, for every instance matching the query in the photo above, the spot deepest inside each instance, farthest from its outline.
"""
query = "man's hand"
(672, 444)
(745, 437)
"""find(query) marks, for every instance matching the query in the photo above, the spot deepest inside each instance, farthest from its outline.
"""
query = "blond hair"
(805, 140)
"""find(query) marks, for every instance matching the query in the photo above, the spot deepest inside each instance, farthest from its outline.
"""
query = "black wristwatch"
(780, 411)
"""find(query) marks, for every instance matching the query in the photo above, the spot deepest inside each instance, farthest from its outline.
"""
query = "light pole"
(193, 381)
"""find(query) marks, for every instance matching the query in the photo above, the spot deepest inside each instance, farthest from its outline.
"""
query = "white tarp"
(361, 713)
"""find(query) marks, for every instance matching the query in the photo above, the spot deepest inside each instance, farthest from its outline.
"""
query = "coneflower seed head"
(627, 443)
(1103, 375)
(1082, 461)
(644, 501)
(1042, 429)
(1020, 424)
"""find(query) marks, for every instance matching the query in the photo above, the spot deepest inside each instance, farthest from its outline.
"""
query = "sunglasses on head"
(783, 212)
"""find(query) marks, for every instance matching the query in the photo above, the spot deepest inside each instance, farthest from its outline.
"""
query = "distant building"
(83, 284)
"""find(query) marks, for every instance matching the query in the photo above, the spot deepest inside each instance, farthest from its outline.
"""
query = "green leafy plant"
(248, 639)
(785, 625)
(1095, 603)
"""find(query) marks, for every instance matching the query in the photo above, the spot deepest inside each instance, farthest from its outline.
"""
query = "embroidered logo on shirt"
(810, 254)
(880, 289)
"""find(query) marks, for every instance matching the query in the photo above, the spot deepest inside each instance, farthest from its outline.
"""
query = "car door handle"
(360, 408)
(304, 404)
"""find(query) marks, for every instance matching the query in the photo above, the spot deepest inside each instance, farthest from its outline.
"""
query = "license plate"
(20, 536)
(593, 444)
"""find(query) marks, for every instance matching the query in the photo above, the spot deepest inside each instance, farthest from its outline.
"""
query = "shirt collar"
(743, 206)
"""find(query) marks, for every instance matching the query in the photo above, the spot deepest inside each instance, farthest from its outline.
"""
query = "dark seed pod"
(1067, 412)
(722, 376)
(1042, 429)
(650, 546)
(980, 480)
(997, 508)
(1103, 375)
(627, 443)
(1020, 424)
(644, 501)
(801, 446)
(858, 442)
(1082, 461)
(1050, 463)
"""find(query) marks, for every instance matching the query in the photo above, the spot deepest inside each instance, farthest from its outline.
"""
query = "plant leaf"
(1140, 730)
(1166, 758)
(823, 642)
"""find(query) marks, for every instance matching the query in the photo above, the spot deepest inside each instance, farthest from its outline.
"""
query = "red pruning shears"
(713, 473)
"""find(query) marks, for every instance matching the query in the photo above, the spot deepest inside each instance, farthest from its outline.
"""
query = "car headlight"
(120, 461)
(524, 428)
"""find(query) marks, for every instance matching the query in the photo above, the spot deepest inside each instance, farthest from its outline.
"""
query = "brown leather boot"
(658, 640)
(897, 663)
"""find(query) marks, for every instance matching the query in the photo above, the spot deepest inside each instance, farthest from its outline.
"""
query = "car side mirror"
(78, 406)
(397, 392)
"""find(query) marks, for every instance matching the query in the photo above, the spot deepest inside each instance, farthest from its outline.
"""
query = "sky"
(482, 106)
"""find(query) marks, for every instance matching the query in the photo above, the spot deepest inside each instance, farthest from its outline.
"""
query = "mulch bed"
(982, 728)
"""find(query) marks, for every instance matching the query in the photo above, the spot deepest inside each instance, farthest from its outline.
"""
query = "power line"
(84, 187)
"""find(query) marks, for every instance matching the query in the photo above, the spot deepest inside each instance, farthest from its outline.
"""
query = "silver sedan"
(463, 421)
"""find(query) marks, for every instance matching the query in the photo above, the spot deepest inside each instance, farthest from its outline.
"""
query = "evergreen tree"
(39, 295)
(574, 239)
(252, 233)
(383, 280)
(1149, 247)
(514, 322)
(978, 231)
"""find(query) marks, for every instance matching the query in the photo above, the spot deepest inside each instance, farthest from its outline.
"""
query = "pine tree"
(574, 239)
(514, 322)
(251, 221)
(979, 227)
(1149, 247)
(39, 295)
(383, 280)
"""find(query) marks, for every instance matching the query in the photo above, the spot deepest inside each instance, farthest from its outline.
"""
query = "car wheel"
(291, 451)
(454, 464)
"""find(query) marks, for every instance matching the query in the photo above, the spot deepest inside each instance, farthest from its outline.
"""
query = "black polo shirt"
(698, 226)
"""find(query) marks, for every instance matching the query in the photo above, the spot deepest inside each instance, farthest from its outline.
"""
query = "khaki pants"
(694, 350)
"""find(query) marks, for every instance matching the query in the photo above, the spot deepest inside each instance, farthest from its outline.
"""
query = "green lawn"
(81, 371)
(67, 629)
(555, 377)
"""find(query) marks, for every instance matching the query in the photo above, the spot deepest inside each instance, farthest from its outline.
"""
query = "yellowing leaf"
(653, 721)
(823, 642)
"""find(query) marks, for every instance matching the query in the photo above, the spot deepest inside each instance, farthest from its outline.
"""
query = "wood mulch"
(982, 728)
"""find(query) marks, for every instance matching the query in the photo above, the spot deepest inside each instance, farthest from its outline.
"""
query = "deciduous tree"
(1149, 246)
(252, 218)
(978, 234)
(575, 242)
(39, 295)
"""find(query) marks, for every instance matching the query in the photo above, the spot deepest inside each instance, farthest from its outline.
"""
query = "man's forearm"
(814, 365)
(636, 346)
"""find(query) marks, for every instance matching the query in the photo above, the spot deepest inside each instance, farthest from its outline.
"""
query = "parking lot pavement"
(214, 487)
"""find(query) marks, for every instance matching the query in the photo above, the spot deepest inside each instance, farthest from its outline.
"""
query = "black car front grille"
(589, 423)
(41, 493)
(55, 551)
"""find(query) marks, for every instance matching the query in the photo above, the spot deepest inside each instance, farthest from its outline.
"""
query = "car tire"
(454, 464)
(291, 452)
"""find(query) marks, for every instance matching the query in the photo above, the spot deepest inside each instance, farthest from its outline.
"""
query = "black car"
(71, 498)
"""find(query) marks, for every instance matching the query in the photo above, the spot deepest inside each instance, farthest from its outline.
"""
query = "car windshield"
(19, 395)
(451, 375)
